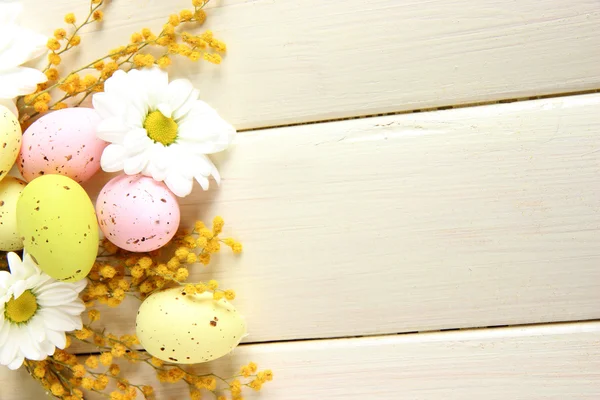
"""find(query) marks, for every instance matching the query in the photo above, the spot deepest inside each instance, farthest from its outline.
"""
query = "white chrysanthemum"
(17, 46)
(159, 129)
(35, 312)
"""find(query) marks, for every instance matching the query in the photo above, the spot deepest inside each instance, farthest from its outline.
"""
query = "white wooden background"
(366, 239)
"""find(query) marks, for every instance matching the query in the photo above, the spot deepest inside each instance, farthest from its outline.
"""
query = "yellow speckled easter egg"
(184, 328)
(56, 219)
(10, 191)
(10, 140)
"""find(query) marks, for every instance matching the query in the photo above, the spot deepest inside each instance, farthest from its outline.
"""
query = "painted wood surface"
(291, 61)
(553, 362)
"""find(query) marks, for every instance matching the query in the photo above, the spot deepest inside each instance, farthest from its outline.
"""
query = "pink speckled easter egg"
(137, 213)
(62, 142)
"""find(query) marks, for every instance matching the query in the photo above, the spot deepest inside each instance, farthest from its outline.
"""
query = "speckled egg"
(57, 222)
(185, 328)
(10, 190)
(137, 213)
(10, 140)
(62, 142)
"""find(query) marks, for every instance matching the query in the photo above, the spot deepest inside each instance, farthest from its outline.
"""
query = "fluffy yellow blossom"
(201, 288)
(173, 263)
(156, 362)
(189, 289)
(174, 20)
(75, 40)
(213, 284)
(206, 233)
(70, 18)
(40, 371)
(202, 241)
(148, 391)
(78, 371)
(213, 58)
(108, 271)
(198, 226)
(255, 384)
(52, 74)
(98, 15)
(106, 359)
(245, 371)
(92, 362)
(191, 258)
(57, 389)
(59, 106)
(137, 272)
(119, 294)
(146, 33)
(186, 15)
(116, 396)
(218, 295)
(182, 253)
(182, 274)
(221, 398)
(198, 3)
(146, 287)
(87, 383)
(114, 370)
(200, 16)
(53, 44)
(145, 262)
(229, 294)
(164, 61)
(54, 59)
(237, 248)
(83, 334)
(218, 224)
(60, 34)
(114, 302)
(195, 394)
(77, 393)
(213, 246)
(118, 350)
(101, 382)
(253, 367)
(137, 38)
(204, 258)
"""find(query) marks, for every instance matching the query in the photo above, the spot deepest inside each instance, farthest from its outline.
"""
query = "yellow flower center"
(160, 128)
(21, 309)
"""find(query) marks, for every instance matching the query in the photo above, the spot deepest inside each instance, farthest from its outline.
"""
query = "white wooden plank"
(293, 61)
(554, 362)
(460, 218)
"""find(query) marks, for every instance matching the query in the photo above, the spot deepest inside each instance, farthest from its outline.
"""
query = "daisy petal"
(112, 130)
(4, 332)
(113, 158)
(53, 298)
(16, 363)
(58, 339)
(19, 81)
(178, 184)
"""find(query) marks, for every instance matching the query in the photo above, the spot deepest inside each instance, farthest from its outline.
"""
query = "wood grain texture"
(293, 61)
(460, 218)
(553, 362)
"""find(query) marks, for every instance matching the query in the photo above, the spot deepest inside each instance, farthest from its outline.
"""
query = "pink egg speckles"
(137, 213)
(62, 142)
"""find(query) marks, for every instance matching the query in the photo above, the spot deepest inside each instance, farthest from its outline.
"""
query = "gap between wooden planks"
(461, 218)
(552, 362)
(295, 61)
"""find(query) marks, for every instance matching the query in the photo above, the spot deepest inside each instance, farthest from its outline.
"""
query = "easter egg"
(10, 140)
(62, 142)
(57, 222)
(137, 213)
(10, 190)
(185, 328)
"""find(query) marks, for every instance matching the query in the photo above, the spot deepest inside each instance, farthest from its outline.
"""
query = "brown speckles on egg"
(131, 201)
(74, 143)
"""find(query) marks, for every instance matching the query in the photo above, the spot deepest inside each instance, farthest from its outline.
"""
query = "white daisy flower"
(17, 46)
(159, 129)
(35, 312)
